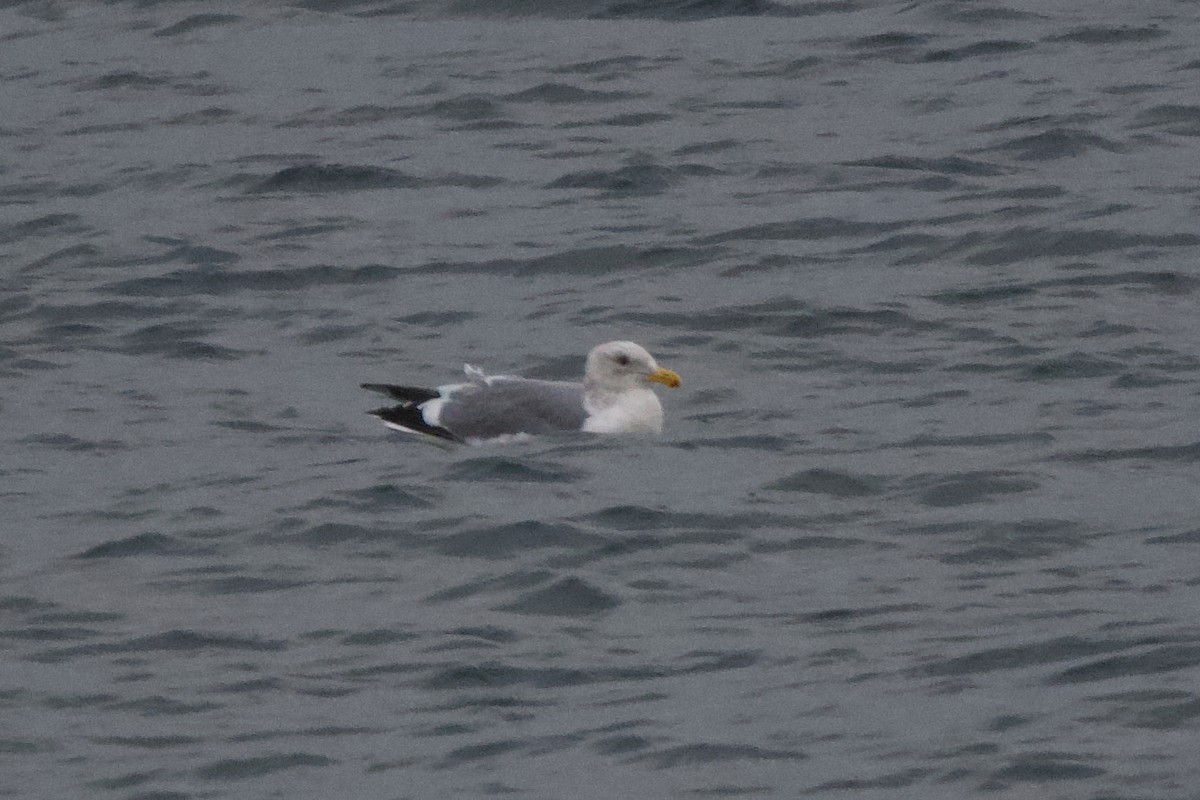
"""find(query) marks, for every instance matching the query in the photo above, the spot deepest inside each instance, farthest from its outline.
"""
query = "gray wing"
(514, 405)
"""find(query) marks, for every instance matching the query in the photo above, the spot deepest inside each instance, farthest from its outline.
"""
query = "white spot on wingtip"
(431, 411)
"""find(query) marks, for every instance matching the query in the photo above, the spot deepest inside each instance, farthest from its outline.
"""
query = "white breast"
(630, 411)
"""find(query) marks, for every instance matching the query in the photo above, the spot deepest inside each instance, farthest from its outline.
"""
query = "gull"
(614, 397)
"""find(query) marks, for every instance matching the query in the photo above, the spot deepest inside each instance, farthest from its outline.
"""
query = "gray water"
(923, 523)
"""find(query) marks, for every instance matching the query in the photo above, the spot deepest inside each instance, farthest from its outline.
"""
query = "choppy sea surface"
(924, 521)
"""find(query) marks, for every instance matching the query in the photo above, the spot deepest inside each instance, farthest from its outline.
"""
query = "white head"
(620, 365)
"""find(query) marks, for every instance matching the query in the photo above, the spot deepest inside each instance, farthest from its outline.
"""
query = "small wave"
(207, 281)
(1109, 34)
(320, 178)
(197, 22)
(1056, 143)
(569, 597)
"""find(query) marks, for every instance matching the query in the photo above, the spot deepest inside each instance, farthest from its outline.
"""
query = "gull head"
(621, 365)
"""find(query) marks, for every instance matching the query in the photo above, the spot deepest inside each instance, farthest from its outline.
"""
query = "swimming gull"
(615, 397)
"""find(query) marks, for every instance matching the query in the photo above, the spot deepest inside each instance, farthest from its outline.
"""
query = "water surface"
(923, 522)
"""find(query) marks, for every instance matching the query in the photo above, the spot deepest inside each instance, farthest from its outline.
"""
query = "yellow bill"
(665, 376)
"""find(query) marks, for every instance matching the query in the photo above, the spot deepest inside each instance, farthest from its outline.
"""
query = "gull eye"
(622, 359)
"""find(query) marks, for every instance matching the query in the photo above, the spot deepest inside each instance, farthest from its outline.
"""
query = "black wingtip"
(409, 417)
(414, 395)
